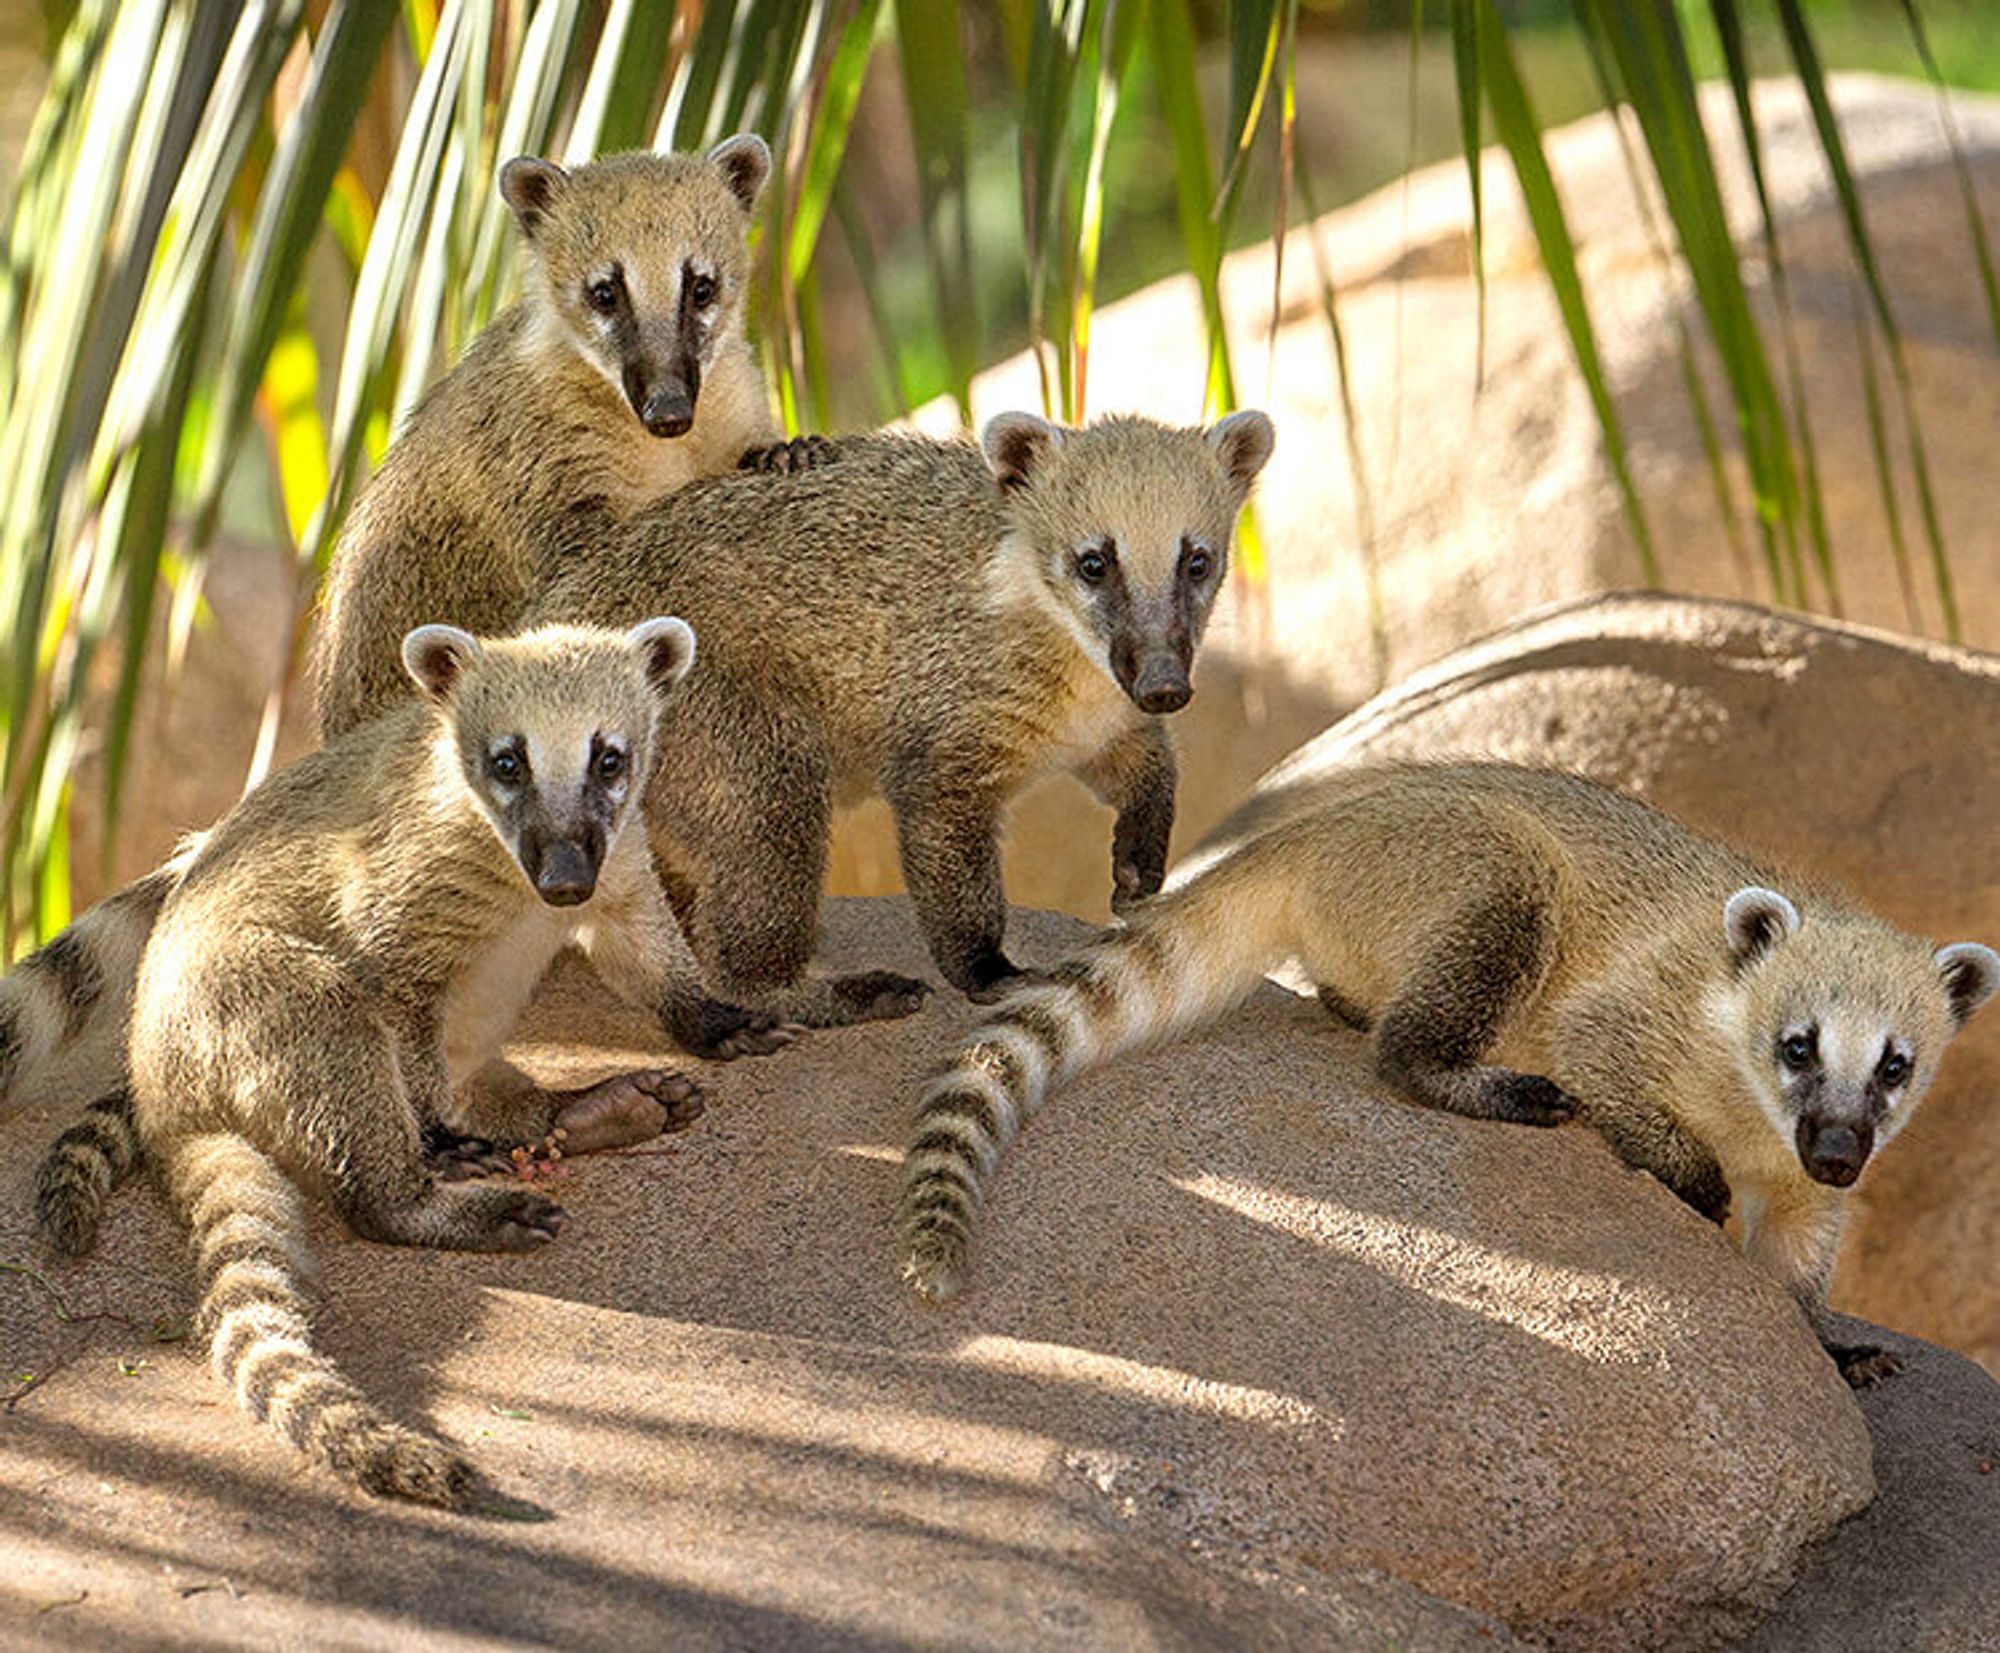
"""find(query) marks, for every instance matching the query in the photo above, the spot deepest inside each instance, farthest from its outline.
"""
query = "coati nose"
(1832, 1154)
(567, 876)
(1160, 685)
(668, 410)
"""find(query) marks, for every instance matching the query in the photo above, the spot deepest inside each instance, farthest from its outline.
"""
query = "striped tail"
(76, 1180)
(1163, 977)
(71, 998)
(249, 1231)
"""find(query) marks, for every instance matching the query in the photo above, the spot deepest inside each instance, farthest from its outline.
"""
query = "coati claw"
(514, 1220)
(451, 1157)
(1864, 1364)
(801, 453)
(722, 1032)
(1529, 1099)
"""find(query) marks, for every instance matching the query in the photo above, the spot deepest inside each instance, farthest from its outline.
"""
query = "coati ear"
(1756, 919)
(1015, 444)
(436, 656)
(1244, 441)
(530, 185)
(665, 648)
(1971, 975)
(745, 161)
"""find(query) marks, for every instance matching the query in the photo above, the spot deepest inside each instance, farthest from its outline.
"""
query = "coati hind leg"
(502, 1109)
(948, 832)
(357, 1101)
(747, 844)
(1449, 1010)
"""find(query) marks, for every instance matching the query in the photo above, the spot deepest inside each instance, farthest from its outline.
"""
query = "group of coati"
(598, 658)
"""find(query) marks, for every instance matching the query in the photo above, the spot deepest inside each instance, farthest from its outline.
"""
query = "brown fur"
(330, 981)
(1472, 914)
(522, 434)
(533, 428)
(911, 621)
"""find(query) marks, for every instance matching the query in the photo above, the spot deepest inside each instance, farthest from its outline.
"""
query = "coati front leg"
(1599, 1051)
(948, 832)
(1135, 775)
(1794, 1232)
(1450, 1009)
(638, 951)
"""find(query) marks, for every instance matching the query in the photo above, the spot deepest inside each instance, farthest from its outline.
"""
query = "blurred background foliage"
(242, 236)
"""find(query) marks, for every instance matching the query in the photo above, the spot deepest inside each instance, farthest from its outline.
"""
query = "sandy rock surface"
(1255, 1355)
(1864, 757)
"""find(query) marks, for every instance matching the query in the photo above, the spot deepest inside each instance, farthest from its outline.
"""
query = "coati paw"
(722, 1032)
(510, 1219)
(1864, 1364)
(450, 1157)
(994, 976)
(1527, 1099)
(877, 996)
(1132, 883)
(632, 1107)
(801, 453)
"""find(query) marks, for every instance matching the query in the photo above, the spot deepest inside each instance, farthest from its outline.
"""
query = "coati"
(934, 621)
(621, 373)
(331, 979)
(1747, 1047)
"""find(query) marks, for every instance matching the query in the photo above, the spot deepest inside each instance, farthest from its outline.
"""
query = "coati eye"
(602, 294)
(610, 764)
(506, 765)
(1093, 566)
(1196, 563)
(701, 291)
(1796, 1051)
(1894, 1070)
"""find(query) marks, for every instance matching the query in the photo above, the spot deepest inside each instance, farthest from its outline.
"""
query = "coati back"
(330, 981)
(621, 373)
(1743, 1045)
(933, 622)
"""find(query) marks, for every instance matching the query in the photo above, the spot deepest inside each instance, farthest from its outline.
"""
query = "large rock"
(1860, 756)
(1255, 1355)
(1916, 1569)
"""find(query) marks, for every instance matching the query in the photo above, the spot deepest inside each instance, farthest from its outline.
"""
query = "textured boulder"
(1916, 1569)
(1863, 757)
(1255, 1354)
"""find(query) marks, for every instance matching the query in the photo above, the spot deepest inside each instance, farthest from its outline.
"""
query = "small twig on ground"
(213, 1584)
(76, 1600)
(47, 1285)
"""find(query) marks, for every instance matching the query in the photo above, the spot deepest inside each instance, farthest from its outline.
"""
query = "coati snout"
(665, 407)
(645, 282)
(554, 772)
(1834, 1151)
(563, 870)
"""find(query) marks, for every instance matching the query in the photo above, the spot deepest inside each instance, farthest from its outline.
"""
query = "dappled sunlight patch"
(1598, 1316)
(1137, 1380)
